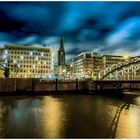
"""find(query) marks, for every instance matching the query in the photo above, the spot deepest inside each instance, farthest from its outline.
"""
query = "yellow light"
(125, 57)
(25, 76)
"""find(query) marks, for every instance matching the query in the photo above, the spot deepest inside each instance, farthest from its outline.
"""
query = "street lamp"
(125, 57)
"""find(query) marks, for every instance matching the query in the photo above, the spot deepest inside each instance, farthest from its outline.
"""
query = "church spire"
(61, 43)
(61, 53)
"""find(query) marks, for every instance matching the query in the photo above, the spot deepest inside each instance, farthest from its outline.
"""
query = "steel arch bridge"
(125, 70)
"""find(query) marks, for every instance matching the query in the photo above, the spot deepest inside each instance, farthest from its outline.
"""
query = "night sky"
(107, 27)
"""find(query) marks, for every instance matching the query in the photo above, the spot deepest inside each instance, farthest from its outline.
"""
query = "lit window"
(4, 56)
(31, 53)
(14, 61)
(42, 54)
(36, 58)
(21, 57)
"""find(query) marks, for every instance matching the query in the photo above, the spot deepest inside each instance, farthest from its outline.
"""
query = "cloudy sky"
(107, 27)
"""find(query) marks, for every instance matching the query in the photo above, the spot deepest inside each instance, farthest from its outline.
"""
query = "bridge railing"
(104, 73)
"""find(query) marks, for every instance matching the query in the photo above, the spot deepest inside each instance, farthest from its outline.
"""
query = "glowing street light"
(125, 57)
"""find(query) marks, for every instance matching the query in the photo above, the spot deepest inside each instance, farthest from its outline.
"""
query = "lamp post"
(71, 71)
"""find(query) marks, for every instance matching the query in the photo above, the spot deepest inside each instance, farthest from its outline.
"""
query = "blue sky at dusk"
(107, 27)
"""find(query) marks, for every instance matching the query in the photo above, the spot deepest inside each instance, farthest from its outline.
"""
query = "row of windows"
(29, 49)
(14, 52)
(114, 60)
(24, 57)
(29, 66)
(32, 62)
(32, 71)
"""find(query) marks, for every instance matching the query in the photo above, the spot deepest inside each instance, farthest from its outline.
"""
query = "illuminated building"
(63, 71)
(28, 61)
(82, 65)
(111, 59)
(88, 64)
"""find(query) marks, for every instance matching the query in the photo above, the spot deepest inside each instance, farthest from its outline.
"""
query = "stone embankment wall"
(28, 84)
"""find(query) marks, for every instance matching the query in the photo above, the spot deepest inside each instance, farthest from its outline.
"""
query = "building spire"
(62, 43)
(61, 53)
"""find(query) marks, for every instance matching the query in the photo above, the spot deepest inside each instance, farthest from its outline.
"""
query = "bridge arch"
(123, 70)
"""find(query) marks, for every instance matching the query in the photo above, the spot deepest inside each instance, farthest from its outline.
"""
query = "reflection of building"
(87, 62)
(28, 61)
(61, 53)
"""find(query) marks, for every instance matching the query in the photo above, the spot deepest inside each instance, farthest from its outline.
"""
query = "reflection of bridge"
(125, 70)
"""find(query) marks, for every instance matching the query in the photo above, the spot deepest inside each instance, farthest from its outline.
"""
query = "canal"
(70, 116)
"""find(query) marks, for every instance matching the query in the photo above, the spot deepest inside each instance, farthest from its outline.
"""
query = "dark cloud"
(93, 26)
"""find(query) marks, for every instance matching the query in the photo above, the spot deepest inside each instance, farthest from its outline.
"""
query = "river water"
(70, 116)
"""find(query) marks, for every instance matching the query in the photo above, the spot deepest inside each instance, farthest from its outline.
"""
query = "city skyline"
(107, 27)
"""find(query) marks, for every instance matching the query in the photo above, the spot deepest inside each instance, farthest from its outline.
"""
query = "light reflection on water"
(70, 116)
(53, 118)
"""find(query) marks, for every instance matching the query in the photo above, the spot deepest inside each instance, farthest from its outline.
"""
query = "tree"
(6, 69)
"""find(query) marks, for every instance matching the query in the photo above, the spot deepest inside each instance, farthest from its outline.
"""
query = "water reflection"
(53, 118)
(70, 116)
(2, 112)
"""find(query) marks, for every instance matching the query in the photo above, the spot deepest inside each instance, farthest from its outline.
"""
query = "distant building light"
(21, 57)
(25, 76)
(18, 65)
(42, 54)
(33, 66)
(14, 61)
(5, 52)
(36, 58)
(125, 57)
(5, 61)
(31, 53)
(4, 56)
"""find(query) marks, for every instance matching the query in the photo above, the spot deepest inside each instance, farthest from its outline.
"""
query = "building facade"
(88, 64)
(63, 71)
(111, 59)
(28, 61)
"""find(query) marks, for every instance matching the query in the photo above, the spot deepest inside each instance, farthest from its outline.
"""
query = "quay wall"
(29, 84)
